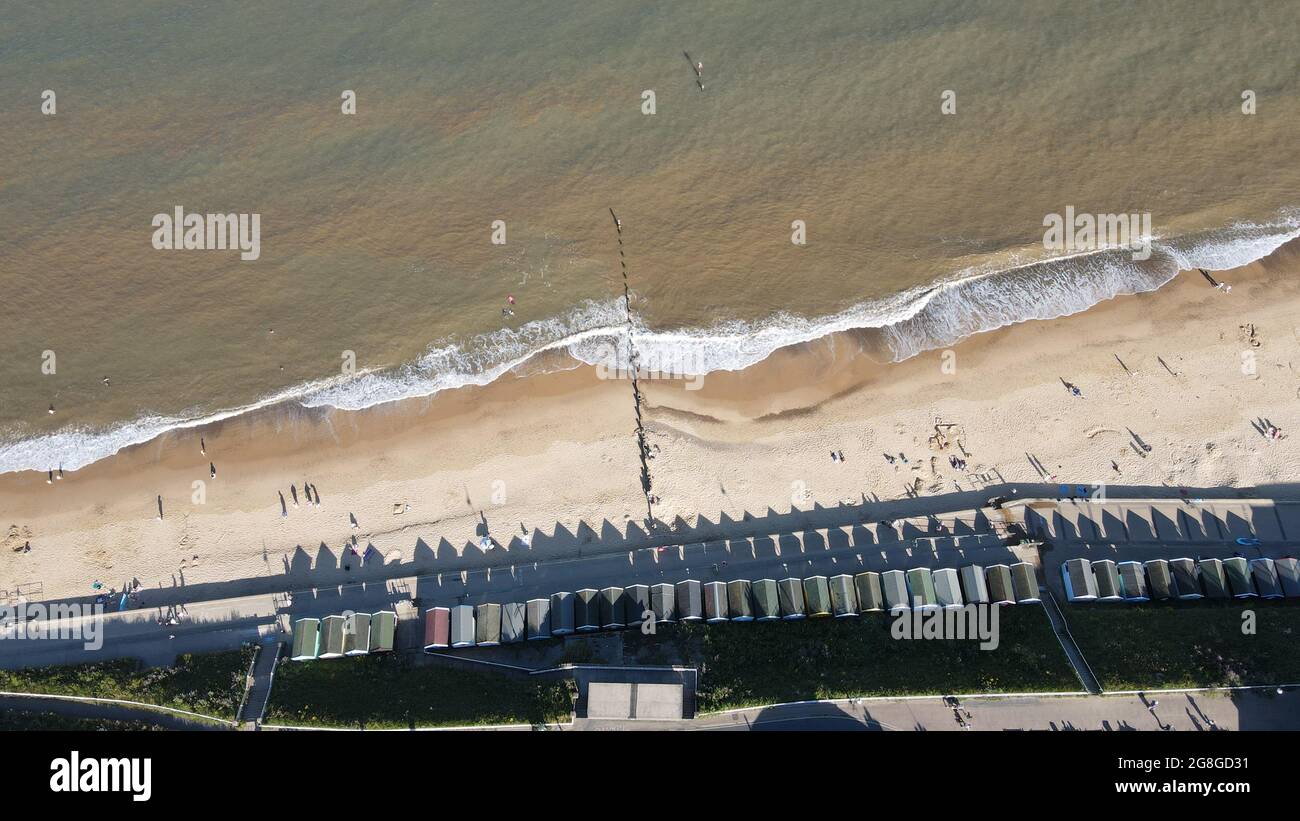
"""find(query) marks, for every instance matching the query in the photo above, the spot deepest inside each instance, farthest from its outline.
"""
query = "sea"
(758, 174)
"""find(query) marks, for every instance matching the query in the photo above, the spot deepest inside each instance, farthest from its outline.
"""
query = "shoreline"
(911, 323)
(557, 448)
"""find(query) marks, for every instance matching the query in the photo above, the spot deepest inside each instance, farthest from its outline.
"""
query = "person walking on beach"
(212, 470)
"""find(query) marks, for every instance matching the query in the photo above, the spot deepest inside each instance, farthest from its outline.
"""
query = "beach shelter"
(998, 578)
(816, 596)
(1132, 582)
(613, 609)
(690, 604)
(562, 614)
(512, 622)
(947, 588)
(1159, 580)
(867, 586)
(636, 598)
(789, 594)
(1213, 579)
(844, 602)
(1106, 577)
(1024, 583)
(487, 624)
(767, 600)
(1080, 584)
(538, 616)
(1264, 572)
(738, 600)
(893, 583)
(663, 601)
(1186, 578)
(437, 628)
(306, 639)
(973, 585)
(356, 634)
(920, 589)
(1237, 570)
(462, 625)
(383, 631)
(586, 610)
(331, 637)
(1288, 575)
(715, 602)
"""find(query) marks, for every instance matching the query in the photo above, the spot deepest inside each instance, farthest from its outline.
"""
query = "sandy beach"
(530, 453)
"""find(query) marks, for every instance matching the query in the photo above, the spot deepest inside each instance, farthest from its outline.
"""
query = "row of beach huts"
(615, 608)
(349, 634)
(1161, 579)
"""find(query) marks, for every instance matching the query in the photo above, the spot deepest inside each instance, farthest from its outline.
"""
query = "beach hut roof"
(562, 613)
(663, 601)
(1186, 579)
(767, 602)
(437, 628)
(715, 601)
(893, 583)
(383, 631)
(356, 634)
(844, 601)
(1264, 573)
(306, 639)
(538, 617)
(613, 608)
(1158, 579)
(1107, 579)
(1024, 581)
(738, 600)
(462, 625)
(1288, 575)
(1001, 590)
(920, 586)
(973, 585)
(586, 609)
(487, 624)
(1133, 581)
(817, 596)
(1237, 570)
(790, 595)
(1213, 579)
(867, 585)
(636, 601)
(331, 643)
(947, 587)
(690, 600)
(512, 622)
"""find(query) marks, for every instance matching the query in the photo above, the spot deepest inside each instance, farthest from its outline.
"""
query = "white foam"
(919, 319)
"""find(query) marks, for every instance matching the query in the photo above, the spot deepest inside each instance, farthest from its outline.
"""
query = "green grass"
(23, 720)
(1188, 644)
(207, 683)
(393, 690)
(751, 664)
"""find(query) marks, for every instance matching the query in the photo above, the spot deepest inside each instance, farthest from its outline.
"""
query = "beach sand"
(536, 452)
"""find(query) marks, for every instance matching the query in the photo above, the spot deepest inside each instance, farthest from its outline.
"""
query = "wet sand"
(534, 452)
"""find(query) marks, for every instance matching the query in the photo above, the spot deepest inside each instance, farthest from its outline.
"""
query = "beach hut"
(539, 619)
(1106, 578)
(331, 637)
(663, 601)
(462, 626)
(1264, 572)
(998, 578)
(867, 585)
(844, 602)
(1213, 579)
(767, 600)
(690, 604)
(1186, 578)
(383, 631)
(487, 624)
(562, 619)
(920, 589)
(974, 587)
(636, 598)
(437, 628)
(1132, 582)
(789, 593)
(1024, 583)
(947, 588)
(893, 583)
(356, 634)
(512, 622)
(1080, 584)
(1288, 575)
(738, 600)
(715, 602)
(613, 608)
(1159, 580)
(306, 639)
(816, 596)
(586, 610)
(1237, 570)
